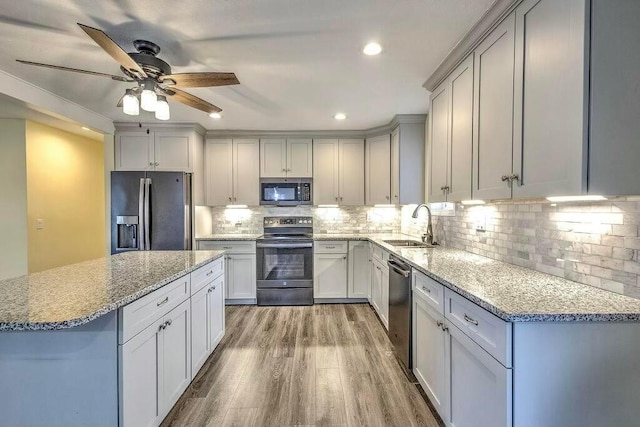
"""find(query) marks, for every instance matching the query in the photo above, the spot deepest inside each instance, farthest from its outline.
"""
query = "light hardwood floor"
(323, 365)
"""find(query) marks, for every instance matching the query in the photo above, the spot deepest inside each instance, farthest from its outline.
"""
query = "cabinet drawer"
(231, 246)
(380, 254)
(139, 314)
(331, 247)
(206, 274)
(428, 289)
(490, 332)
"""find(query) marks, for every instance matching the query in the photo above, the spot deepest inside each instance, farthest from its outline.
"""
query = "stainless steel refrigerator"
(151, 211)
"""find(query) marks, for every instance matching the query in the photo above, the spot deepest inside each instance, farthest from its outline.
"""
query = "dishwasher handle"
(398, 268)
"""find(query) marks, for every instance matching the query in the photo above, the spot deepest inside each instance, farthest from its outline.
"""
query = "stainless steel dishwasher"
(400, 310)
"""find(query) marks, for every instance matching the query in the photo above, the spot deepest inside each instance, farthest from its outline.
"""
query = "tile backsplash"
(595, 243)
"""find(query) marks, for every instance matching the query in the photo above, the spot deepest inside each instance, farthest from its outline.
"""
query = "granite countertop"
(75, 294)
(239, 236)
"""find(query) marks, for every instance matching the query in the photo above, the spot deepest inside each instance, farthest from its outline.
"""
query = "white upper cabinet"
(232, 172)
(338, 171)
(550, 132)
(159, 150)
(439, 143)
(493, 113)
(395, 166)
(281, 158)
(407, 162)
(299, 158)
(378, 170)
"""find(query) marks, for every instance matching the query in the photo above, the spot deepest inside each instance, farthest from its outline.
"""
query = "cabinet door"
(480, 387)
(378, 170)
(299, 158)
(200, 329)
(329, 276)
(493, 113)
(351, 172)
(460, 132)
(241, 276)
(215, 303)
(358, 278)
(429, 354)
(273, 158)
(176, 354)
(141, 370)
(134, 151)
(550, 133)
(172, 152)
(395, 166)
(325, 171)
(246, 171)
(376, 286)
(218, 172)
(438, 143)
(384, 301)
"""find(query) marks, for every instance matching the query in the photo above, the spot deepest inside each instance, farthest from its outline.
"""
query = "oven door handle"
(284, 245)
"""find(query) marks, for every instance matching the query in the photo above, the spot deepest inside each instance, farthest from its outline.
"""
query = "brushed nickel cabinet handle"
(514, 177)
(470, 320)
(164, 301)
(210, 273)
(161, 327)
(440, 323)
(505, 178)
(424, 288)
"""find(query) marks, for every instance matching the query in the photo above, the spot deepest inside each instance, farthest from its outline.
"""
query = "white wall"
(109, 165)
(13, 199)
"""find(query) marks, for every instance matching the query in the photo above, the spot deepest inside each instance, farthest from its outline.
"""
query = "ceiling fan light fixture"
(162, 108)
(130, 104)
(148, 98)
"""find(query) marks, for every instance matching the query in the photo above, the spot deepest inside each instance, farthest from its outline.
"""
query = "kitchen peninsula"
(79, 341)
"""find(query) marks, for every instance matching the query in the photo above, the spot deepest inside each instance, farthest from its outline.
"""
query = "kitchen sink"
(408, 243)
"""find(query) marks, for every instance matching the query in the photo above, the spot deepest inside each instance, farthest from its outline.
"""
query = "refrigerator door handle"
(141, 221)
(147, 190)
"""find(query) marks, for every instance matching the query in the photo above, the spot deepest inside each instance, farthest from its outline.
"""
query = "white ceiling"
(298, 61)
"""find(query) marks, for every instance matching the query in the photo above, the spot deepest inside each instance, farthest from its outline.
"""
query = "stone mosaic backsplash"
(360, 219)
(594, 243)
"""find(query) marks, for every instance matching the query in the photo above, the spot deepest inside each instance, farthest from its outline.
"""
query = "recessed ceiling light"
(85, 128)
(340, 116)
(215, 115)
(372, 48)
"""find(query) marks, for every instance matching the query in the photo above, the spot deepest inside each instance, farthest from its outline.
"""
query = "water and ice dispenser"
(127, 231)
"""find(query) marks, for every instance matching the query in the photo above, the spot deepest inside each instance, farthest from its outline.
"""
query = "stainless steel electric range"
(285, 261)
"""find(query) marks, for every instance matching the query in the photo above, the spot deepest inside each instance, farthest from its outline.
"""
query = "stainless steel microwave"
(286, 191)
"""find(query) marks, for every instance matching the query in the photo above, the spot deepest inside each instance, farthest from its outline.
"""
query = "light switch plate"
(39, 224)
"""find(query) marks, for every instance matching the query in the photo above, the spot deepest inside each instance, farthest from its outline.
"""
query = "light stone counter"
(75, 294)
(239, 236)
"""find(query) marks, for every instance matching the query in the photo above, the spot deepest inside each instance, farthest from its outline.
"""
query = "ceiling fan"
(153, 77)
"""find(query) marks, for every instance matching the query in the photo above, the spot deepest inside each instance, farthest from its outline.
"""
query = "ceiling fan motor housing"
(147, 59)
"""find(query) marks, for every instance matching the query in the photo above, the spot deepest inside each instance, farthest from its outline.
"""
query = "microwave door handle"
(141, 223)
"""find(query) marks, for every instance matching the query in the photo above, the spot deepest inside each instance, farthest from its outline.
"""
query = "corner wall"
(13, 199)
(66, 189)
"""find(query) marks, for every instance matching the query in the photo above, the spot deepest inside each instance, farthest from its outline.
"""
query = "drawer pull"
(164, 301)
(330, 247)
(424, 288)
(470, 320)
(210, 273)
(226, 247)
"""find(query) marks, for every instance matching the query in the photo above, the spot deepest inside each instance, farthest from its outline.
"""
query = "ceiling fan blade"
(76, 70)
(201, 79)
(191, 100)
(112, 48)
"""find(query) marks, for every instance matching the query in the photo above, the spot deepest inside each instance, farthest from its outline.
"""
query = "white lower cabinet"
(359, 280)
(207, 322)
(329, 275)
(241, 276)
(380, 291)
(156, 368)
(481, 387)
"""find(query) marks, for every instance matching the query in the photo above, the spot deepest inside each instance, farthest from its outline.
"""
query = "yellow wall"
(65, 188)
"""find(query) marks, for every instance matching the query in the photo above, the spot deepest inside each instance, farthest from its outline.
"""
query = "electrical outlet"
(481, 223)
(39, 224)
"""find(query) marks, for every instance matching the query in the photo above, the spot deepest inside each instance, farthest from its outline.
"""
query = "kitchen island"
(71, 338)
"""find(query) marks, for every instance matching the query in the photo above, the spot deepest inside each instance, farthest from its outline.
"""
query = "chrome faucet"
(428, 237)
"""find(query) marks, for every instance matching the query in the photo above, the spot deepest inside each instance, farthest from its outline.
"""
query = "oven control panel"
(288, 221)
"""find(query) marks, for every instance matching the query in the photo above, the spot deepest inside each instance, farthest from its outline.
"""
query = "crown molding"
(491, 18)
(133, 126)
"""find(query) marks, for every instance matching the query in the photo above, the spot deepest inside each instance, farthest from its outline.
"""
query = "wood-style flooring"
(323, 365)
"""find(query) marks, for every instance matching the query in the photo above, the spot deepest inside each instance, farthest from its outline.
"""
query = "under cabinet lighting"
(384, 206)
(85, 128)
(237, 206)
(472, 202)
(327, 206)
(576, 198)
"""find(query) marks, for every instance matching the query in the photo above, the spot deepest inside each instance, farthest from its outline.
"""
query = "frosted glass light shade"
(162, 108)
(130, 104)
(148, 98)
